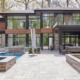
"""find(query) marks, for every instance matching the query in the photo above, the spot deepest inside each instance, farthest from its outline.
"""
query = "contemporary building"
(54, 27)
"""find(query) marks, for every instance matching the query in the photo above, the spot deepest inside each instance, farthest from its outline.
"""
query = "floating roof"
(58, 10)
(44, 10)
(24, 12)
(68, 27)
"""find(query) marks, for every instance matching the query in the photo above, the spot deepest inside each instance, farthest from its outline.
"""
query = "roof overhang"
(58, 10)
(21, 13)
(68, 27)
(44, 10)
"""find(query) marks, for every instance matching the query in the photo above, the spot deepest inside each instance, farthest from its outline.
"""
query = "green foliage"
(15, 24)
(37, 50)
(4, 6)
(30, 50)
(45, 41)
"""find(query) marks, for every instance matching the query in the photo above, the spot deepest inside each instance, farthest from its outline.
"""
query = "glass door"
(48, 41)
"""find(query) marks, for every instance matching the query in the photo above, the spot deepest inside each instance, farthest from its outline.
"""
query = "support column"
(56, 40)
(60, 37)
(6, 35)
(79, 40)
(27, 27)
(41, 35)
(70, 39)
(64, 41)
(75, 40)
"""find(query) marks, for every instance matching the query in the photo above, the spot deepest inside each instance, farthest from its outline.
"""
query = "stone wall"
(7, 63)
(56, 41)
(15, 49)
(73, 61)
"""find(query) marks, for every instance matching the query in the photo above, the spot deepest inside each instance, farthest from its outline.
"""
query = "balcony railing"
(69, 23)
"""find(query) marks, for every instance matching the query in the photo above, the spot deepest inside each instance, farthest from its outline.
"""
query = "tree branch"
(20, 1)
(9, 8)
(77, 2)
(38, 3)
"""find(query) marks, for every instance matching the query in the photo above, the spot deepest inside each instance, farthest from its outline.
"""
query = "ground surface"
(48, 65)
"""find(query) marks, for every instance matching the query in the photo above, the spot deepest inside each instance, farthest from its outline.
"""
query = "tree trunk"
(67, 1)
(26, 6)
(2, 5)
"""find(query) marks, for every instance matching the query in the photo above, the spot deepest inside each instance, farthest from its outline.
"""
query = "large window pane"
(76, 19)
(48, 20)
(16, 22)
(34, 21)
(59, 19)
(16, 40)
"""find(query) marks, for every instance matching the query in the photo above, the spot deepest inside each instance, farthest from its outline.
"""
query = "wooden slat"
(46, 30)
(38, 31)
(9, 31)
(21, 31)
(2, 26)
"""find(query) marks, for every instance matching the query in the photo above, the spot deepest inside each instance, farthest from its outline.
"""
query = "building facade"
(54, 27)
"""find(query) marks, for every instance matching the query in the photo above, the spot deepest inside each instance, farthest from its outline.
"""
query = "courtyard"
(49, 65)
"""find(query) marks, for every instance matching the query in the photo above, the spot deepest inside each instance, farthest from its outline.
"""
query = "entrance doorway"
(47, 41)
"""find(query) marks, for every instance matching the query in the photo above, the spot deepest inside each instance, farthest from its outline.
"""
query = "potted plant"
(30, 50)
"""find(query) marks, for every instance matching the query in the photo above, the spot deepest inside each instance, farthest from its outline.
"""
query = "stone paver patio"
(48, 65)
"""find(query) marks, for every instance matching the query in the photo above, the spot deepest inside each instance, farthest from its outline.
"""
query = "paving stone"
(49, 65)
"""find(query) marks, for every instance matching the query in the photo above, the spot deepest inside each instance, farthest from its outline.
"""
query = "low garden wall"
(74, 61)
(6, 63)
(15, 49)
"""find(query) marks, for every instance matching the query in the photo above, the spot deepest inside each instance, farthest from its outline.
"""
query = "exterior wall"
(7, 63)
(74, 61)
(41, 30)
(10, 40)
(46, 30)
(3, 40)
(2, 26)
(27, 31)
(56, 40)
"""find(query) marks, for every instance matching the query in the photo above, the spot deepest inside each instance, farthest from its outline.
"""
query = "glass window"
(59, 19)
(76, 18)
(37, 40)
(16, 22)
(68, 19)
(34, 21)
(48, 20)
(16, 40)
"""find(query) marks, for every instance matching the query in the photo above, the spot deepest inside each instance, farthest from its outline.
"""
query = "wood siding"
(43, 30)
(46, 30)
(2, 26)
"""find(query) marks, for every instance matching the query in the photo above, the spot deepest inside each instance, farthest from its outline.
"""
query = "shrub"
(30, 50)
(37, 50)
